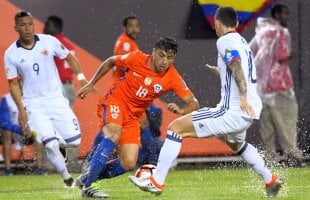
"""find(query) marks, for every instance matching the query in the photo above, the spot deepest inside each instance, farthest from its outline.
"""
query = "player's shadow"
(197, 26)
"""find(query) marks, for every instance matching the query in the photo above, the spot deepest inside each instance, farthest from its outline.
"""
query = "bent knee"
(128, 164)
(234, 145)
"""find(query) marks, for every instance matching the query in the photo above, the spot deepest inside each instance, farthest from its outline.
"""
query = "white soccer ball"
(145, 171)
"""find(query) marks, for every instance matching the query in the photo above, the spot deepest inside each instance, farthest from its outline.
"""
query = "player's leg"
(103, 151)
(39, 120)
(250, 155)
(7, 145)
(181, 127)
(147, 153)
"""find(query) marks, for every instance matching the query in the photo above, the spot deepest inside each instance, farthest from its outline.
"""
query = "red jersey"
(64, 70)
(124, 44)
(141, 85)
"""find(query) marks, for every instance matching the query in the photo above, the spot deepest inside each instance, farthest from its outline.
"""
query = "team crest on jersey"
(148, 81)
(158, 88)
(114, 115)
(44, 53)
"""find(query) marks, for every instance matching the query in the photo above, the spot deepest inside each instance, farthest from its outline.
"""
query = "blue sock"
(99, 159)
(147, 153)
(113, 168)
(99, 137)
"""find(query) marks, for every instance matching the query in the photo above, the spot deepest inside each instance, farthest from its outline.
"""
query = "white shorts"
(51, 119)
(210, 122)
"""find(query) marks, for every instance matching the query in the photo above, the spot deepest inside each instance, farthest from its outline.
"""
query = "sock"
(250, 154)
(56, 158)
(99, 137)
(147, 153)
(113, 168)
(167, 155)
(99, 159)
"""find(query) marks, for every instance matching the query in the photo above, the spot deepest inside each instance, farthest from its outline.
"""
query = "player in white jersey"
(234, 114)
(37, 91)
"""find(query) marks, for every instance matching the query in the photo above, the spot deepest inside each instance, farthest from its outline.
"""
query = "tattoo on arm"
(239, 77)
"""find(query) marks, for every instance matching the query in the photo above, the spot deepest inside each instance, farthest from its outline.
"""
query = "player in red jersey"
(119, 110)
(126, 43)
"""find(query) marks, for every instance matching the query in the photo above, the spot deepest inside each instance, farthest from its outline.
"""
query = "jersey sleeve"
(227, 50)
(179, 85)
(10, 68)
(127, 60)
(59, 49)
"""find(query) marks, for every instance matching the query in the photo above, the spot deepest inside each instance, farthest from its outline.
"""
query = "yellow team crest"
(148, 81)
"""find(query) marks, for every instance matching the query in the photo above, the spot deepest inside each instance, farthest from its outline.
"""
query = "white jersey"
(36, 67)
(230, 47)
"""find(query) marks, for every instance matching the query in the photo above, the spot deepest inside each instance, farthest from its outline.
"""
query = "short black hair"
(20, 14)
(125, 21)
(227, 16)
(277, 9)
(57, 21)
(166, 43)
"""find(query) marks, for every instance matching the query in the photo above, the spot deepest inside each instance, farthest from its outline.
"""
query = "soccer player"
(150, 141)
(37, 91)
(238, 107)
(126, 43)
(119, 110)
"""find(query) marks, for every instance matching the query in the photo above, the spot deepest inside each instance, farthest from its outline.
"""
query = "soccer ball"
(145, 171)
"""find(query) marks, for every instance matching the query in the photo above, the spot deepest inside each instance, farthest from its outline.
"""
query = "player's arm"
(238, 74)
(191, 104)
(16, 92)
(213, 69)
(76, 68)
(106, 66)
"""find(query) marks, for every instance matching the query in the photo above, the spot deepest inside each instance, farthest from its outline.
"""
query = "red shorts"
(111, 110)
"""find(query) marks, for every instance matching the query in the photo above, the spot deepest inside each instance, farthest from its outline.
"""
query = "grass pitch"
(187, 184)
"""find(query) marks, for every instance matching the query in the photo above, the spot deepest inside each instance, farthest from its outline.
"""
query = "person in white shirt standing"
(233, 115)
(37, 91)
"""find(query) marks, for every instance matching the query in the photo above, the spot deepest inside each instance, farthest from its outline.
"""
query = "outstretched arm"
(101, 71)
(76, 68)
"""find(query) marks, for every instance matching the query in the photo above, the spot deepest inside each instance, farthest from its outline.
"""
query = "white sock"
(167, 155)
(56, 158)
(250, 154)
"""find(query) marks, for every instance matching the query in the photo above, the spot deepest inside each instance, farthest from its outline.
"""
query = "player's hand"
(245, 107)
(213, 69)
(23, 122)
(82, 93)
(174, 108)
(84, 82)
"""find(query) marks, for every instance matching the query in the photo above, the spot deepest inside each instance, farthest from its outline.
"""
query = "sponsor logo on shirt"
(136, 74)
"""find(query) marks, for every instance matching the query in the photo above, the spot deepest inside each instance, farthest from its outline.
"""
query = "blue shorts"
(6, 118)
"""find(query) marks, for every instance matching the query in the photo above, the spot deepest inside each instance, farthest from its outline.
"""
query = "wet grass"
(186, 183)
